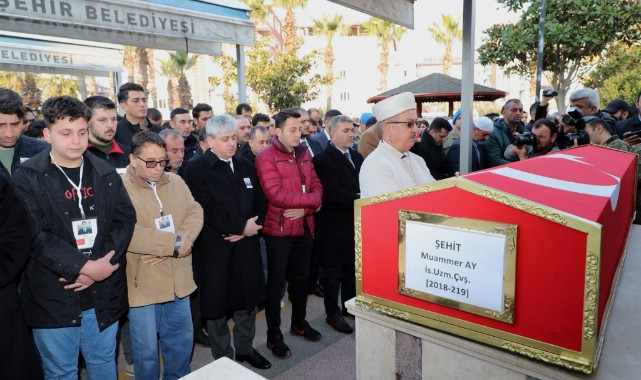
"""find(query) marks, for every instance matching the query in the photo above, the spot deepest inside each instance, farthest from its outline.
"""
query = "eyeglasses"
(152, 164)
(409, 123)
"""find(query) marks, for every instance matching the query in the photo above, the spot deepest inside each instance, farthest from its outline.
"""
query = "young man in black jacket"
(102, 130)
(14, 147)
(74, 289)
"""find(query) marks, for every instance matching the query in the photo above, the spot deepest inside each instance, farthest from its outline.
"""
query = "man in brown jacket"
(159, 268)
(369, 140)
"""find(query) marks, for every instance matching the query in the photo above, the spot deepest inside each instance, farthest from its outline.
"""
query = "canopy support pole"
(242, 84)
(467, 86)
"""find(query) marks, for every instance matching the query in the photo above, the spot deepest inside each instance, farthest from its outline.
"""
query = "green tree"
(446, 33)
(327, 27)
(58, 85)
(576, 32)
(290, 20)
(182, 62)
(386, 33)
(283, 81)
(25, 84)
(229, 78)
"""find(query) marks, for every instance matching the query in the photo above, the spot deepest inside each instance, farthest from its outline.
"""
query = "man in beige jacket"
(159, 268)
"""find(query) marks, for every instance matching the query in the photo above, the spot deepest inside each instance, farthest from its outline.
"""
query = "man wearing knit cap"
(391, 166)
(481, 131)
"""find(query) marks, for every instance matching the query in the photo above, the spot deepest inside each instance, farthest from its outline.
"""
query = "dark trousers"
(244, 331)
(338, 277)
(288, 259)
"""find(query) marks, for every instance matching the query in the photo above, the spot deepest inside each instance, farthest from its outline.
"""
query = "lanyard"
(76, 187)
(153, 187)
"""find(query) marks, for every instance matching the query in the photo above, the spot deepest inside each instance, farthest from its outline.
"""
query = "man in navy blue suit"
(481, 131)
(322, 137)
(337, 168)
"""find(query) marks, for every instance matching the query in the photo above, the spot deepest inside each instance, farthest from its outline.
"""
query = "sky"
(426, 12)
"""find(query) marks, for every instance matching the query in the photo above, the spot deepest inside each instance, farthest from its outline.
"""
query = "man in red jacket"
(294, 193)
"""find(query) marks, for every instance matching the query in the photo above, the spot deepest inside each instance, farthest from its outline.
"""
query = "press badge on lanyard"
(164, 222)
(84, 229)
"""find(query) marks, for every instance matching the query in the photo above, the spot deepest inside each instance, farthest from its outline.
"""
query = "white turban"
(394, 105)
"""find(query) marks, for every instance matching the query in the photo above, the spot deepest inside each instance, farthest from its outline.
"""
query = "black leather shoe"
(339, 324)
(346, 313)
(201, 339)
(317, 290)
(278, 347)
(254, 359)
(307, 332)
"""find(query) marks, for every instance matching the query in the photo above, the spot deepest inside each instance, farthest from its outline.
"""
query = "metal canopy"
(440, 88)
(40, 56)
(197, 26)
(397, 11)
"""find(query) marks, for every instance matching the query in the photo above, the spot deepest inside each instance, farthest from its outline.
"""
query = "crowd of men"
(118, 229)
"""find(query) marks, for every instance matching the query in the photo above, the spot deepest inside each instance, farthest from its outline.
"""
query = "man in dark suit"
(322, 137)
(313, 146)
(338, 167)
(227, 256)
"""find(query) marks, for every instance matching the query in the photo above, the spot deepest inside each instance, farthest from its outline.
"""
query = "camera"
(527, 138)
(550, 92)
(574, 118)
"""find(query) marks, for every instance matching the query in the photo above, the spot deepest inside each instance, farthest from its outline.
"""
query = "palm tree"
(386, 33)
(129, 61)
(143, 66)
(152, 77)
(290, 20)
(446, 33)
(183, 62)
(327, 27)
(259, 10)
(168, 70)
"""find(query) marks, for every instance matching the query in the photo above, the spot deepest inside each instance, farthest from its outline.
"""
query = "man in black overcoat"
(337, 168)
(18, 358)
(226, 254)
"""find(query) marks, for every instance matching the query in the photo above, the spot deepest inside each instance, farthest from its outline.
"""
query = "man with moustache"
(133, 101)
(391, 166)
(175, 150)
(227, 253)
(74, 290)
(159, 262)
(102, 129)
(15, 148)
(242, 130)
(305, 138)
(337, 167)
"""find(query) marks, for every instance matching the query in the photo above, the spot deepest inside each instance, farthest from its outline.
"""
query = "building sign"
(127, 22)
(19, 54)
(460, 263)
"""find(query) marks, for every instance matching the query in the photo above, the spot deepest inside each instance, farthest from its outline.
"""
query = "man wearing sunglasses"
(391, 166)
(159, 268)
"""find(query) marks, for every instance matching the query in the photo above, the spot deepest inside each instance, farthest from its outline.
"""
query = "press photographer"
(542, 140)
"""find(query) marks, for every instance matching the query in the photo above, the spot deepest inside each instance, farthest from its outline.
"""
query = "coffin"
(524, 256)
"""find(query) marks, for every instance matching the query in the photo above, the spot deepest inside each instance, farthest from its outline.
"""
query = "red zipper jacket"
(289, 182)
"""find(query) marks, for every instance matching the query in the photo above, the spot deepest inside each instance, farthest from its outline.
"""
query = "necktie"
(231, 165)
(348, 158)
